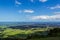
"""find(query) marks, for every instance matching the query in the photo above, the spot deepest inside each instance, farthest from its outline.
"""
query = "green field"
(30, 34)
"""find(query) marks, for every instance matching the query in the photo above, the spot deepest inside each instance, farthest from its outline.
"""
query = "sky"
(30, 10)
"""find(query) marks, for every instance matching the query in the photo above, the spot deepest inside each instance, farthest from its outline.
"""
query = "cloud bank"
(46, 17)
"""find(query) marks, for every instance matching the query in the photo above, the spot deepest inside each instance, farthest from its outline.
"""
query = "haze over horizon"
(29, 10)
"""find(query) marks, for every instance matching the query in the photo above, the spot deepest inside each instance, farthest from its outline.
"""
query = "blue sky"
(29, 10)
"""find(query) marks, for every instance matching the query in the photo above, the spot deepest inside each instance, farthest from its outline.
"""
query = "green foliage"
(54, 32)
(46, 38)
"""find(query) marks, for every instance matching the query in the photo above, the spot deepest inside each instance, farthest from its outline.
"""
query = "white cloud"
(26, 11)
(17, 2)
(43, 0)
(32, 0)
(40, 17)
(46, 17)
(55, 7)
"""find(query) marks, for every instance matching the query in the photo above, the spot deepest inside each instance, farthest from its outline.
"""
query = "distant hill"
(24, 25)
